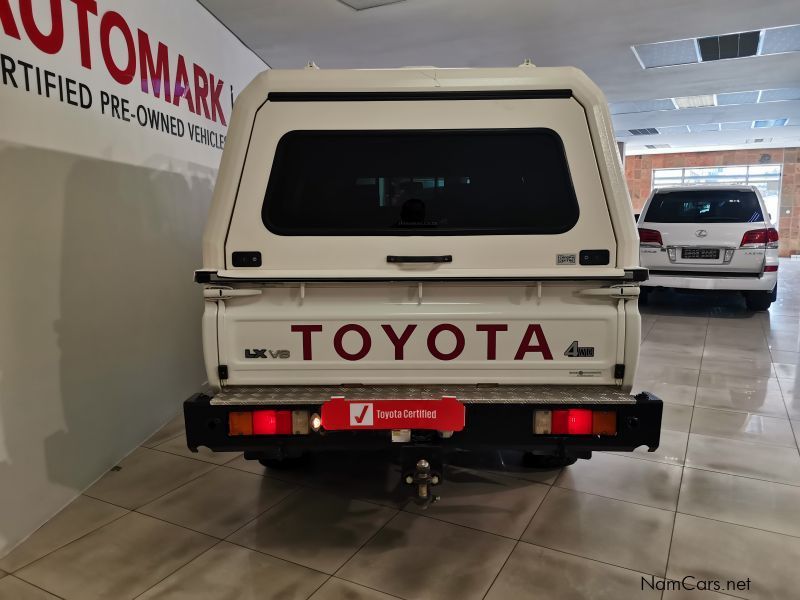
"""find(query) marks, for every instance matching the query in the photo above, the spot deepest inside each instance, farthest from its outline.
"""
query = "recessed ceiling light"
(732, 45)
(779, 95)
(733, 98)
(673, 129)
(736, 125)
(778, 40)
(695, 101)
(644, 131)
(365, 4)
(762, 123)
(703, 127)
(761, 42)
(656, 146)
(757, 140)
(639, 106)
(666, 54)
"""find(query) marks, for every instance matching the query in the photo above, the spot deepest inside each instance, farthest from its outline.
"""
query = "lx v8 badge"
(266, 353)
(577, 351)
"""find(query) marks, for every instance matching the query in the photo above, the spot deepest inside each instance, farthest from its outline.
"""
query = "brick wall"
(639, 173)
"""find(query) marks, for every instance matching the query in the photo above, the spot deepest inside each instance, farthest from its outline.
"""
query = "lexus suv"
(710, 238)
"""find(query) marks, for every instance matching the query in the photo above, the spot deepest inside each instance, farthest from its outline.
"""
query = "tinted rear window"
(420, 183)
(699, 206)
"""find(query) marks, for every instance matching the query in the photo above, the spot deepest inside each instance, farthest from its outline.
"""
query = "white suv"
(710, 238)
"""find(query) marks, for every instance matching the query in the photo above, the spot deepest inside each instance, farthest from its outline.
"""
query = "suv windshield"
(704, 206)
(420, 183)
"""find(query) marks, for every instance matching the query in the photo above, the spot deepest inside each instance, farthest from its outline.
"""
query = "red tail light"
(760, 238)
(650, 237)
(772, 238)
(260, 422)
(771, 269)
(272, 422)
(575, 421)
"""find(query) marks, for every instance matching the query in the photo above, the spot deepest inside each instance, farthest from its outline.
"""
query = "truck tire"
(758, 301)
(547, 461)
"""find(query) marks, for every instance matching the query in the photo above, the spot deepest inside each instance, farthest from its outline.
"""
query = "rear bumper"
(766, 282)
(507, 426)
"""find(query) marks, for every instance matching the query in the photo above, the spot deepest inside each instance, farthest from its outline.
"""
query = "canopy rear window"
(704, 206)
(454, 182)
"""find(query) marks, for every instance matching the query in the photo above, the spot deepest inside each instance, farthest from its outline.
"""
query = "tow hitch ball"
(423, 480)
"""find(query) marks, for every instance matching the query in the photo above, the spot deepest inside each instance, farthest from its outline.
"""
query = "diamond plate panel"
(468, 394)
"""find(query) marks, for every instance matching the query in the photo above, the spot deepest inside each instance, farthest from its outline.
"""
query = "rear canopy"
(493, 173)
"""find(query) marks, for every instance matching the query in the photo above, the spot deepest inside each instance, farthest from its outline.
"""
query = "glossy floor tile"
(120, 560)
(671, 448)
(741, 500)
(627, 535)
(145, 475)
(742, 426)
(707, 549)
(771, 463)
(766, 400)
(219, 502)
(314, 529)
(718, 500)
(229, 571)
(624, 478)
(82, 516)
(339, 589)
(417, 557)
(12, 588)
(485, 501)
(544, 574)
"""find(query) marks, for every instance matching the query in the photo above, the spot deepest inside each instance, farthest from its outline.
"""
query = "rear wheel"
(758, 301)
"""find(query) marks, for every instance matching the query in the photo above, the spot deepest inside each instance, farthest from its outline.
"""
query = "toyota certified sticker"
(361, 414)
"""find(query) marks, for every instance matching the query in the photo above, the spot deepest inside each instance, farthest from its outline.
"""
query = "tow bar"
(423, 474)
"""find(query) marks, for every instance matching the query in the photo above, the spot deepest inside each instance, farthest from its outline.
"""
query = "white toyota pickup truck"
(430, 260)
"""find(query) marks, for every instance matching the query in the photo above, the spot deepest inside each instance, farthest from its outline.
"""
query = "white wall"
(100, 227)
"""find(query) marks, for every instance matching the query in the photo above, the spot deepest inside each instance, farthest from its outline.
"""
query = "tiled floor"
(719, 500)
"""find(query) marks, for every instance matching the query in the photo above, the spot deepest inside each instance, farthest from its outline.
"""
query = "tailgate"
(399, 333)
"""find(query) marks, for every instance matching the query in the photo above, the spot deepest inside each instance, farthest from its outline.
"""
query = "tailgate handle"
(444, 258)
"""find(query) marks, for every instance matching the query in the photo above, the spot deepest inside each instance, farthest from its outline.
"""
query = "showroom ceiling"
(700, 99)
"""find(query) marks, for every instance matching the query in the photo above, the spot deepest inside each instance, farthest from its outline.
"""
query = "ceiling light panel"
(757, 140)
(365, 4)
(673, 129)
(733, 125)
(732, 45)
(762, 123)
(780, 94)
(666, 54)
(704, 127)
(622, 108)
(644, 131)
(656, 146)
(778, 40)
(733, 98)
(695, 101)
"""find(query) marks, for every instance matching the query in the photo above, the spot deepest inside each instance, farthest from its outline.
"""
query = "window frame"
(279, 157)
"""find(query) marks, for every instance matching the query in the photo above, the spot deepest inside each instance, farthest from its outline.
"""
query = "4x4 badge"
(575, 350)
